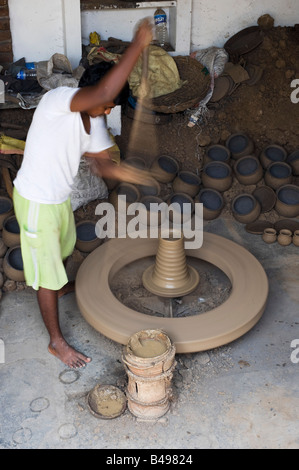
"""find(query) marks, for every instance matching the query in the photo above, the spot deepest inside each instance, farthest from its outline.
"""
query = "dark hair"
(95, 73)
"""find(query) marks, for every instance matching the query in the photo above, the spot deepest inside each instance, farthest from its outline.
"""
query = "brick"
(5, 46)
(5, 35)
(4, 24)
(4, 12)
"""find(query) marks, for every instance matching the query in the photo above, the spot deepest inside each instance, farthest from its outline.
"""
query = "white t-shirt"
(55, 143)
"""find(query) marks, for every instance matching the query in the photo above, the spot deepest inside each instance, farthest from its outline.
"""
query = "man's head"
(94, 74)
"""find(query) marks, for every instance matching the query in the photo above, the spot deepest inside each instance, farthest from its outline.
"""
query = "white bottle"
(161, 27)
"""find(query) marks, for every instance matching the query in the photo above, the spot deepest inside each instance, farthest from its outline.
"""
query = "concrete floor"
(241, 395)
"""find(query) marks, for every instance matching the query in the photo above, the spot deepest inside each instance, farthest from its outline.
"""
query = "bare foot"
(68, 355)
(67, 289)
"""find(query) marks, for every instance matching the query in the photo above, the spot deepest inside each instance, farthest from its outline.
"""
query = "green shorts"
(48, 236)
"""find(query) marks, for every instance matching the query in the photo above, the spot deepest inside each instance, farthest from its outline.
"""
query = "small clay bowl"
(217, 175)
(87, 239)
(106, 401)
(284, 237)
(218, 153)
(269, 235)
(13, 264)
(151, 208)
(212, 202)
(293, 161)
(245, 208)
(6, 209)
(239, 145)
(287, 203)
(296, 238)
(248, 170)
(180, 210)
(164, 168)
(278, 174)
(272, 154)
(186, 182)
(11, 231)
(266, 197)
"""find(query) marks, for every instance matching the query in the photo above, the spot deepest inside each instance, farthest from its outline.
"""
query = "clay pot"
(248, 170)
(87, 240)
(278, 174)
(153, 190)
(266, 197)
(245, 208)
(181, 211)
(269, 235)
(136, 162)
(218, 153)
(186, 182)
(164, 169)
(217, 175)
(272, 154)
(239, 145)
(130, 191)
(13, 264)
(3, 248)
(11, 231)
(212, 202)
(6, 209)
(293, 161)
(296, 238)
(284, 237)
(149, 203)
(287, 203)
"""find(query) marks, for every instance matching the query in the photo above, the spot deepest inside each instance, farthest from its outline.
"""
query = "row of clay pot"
(284, 237)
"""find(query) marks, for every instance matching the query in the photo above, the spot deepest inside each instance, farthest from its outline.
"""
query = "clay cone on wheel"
(170, 276)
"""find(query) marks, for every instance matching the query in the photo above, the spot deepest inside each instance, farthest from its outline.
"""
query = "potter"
(137, 227)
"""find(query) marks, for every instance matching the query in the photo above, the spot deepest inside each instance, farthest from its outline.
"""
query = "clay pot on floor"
(136, 162)
(269, 235)
(278, 174)
(183, 207)
(284, 237)
(87, 239)
(164, 169)
(287, 202)
(217, 175)
(239, 145)
(272, 154)
(6, 209)
(248, 170)
(293, 161)
(3, 248)
(245, 208)
(212, 202)
(153, 190)
(218, 153)
(11, 231)
(13, 264)
(186, 182)
(130, 191)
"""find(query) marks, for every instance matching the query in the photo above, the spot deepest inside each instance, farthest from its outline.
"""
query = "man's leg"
(48, 304)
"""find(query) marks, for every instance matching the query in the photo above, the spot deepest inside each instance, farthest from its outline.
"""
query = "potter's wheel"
(214, 328)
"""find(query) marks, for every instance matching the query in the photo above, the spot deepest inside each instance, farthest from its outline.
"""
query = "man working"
(68, 123)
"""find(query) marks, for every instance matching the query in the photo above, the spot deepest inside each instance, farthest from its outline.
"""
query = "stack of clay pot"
(149, 360)
(10, 250)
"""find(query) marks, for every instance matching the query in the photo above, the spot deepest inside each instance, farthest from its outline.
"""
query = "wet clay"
(149, 348)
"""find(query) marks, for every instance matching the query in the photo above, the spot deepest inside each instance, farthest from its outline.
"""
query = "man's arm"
(111, 84)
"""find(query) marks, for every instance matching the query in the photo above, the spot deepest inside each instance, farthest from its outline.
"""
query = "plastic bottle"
(25, 74)
(161, 26)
